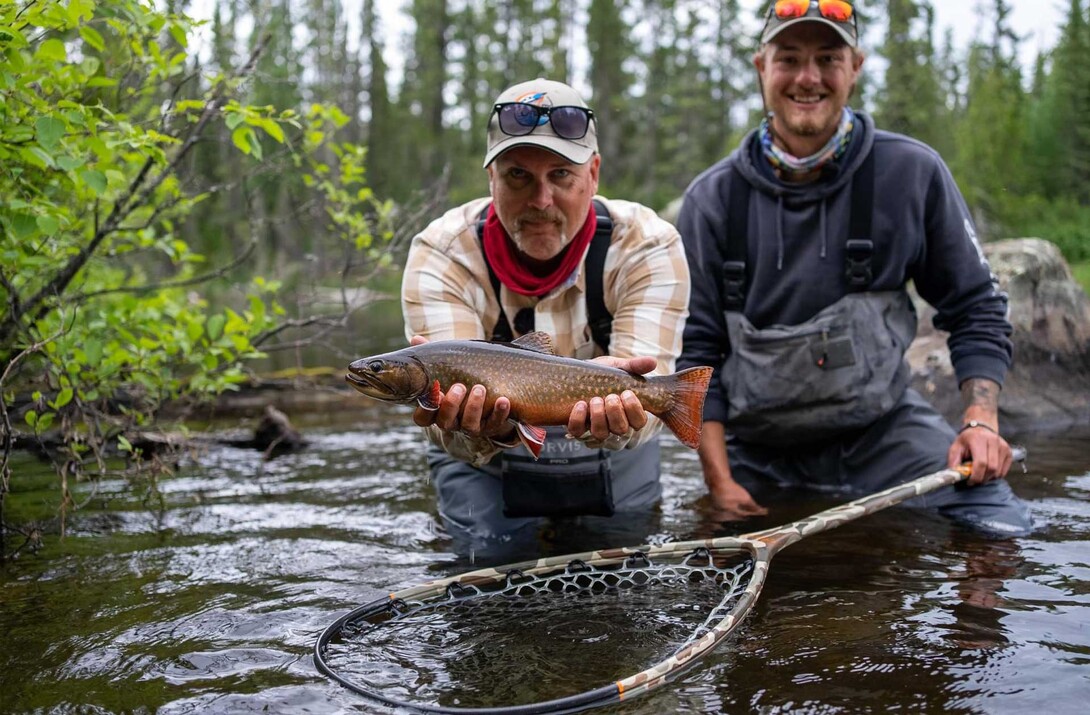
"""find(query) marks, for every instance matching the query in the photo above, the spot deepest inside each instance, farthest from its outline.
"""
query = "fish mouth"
(369, 385)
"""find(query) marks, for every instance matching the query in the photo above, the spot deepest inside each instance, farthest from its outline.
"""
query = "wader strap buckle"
(857, 267)
(734, 285)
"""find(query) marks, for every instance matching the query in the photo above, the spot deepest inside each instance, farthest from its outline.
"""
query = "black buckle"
(857, 267)
(734, 284)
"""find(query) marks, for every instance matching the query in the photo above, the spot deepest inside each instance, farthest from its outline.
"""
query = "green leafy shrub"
(102, 314)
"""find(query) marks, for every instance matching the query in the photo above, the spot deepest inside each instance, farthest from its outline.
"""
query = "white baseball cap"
(546, 95)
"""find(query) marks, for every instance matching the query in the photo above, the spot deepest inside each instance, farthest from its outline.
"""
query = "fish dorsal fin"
(537, 341)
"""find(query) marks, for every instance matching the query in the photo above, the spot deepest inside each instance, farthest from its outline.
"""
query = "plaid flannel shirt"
(446, 295)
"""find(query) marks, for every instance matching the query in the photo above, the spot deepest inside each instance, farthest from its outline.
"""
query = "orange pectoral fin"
(533, 437)
(430, 399)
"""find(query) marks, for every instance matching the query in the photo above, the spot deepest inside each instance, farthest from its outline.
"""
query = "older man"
(801, 243)
(606, 279)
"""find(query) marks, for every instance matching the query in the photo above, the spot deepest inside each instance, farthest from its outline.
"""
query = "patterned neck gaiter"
(833, 149)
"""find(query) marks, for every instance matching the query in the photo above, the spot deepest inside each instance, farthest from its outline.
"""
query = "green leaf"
(68, 163)
(93, 350)
(18, 135)
(63, 398)
(80, 9)
(48, 131)
(24, 225)
(45, 422)
(234, 119)
(48, 224)
(31, 417)
(95, 179)
(241, 138)
(273, 130)
(194, 330)
(269, 126)
(92, 37)
(37, 156)
(178, 33)
(123, 444)
(52, 50)
(215, 326)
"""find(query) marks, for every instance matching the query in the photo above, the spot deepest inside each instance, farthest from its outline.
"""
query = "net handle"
(779, 537)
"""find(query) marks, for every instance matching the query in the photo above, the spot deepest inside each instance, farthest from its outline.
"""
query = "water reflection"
(213, 603)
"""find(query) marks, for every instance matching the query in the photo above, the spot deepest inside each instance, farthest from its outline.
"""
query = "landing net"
(524, 638)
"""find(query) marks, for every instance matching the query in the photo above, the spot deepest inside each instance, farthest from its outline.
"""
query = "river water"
(213, 601)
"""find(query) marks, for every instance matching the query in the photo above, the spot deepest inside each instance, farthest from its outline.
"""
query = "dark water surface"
(213, 603)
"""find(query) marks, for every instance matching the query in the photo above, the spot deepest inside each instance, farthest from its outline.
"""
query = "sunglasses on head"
(517, 119)
(835, 10)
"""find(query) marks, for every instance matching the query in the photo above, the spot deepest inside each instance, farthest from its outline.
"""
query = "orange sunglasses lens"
(837, 10)
(786, 9)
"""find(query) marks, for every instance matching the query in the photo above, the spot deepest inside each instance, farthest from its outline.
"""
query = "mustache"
(540, 216)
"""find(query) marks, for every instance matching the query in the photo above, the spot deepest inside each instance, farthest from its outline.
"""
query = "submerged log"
(274, 435)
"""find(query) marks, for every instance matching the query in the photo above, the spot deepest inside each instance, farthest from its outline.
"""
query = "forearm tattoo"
(979, 392)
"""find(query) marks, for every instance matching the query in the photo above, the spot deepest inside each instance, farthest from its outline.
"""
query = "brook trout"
(541, 386)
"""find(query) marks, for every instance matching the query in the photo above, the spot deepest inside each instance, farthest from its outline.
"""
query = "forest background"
(673, 86)
(171, 210)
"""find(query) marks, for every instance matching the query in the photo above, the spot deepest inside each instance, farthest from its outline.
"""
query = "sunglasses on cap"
(517, 119)
(835, 10)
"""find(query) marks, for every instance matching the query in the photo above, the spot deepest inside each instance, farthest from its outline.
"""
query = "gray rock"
(1048, 388)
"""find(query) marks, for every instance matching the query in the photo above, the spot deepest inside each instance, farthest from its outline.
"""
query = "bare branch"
(196, 280)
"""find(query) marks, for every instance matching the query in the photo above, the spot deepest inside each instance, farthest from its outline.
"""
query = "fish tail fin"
(685, 416)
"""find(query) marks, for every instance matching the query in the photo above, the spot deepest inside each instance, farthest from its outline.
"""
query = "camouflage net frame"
(597, 571)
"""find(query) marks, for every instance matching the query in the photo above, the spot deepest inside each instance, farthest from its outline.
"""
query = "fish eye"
(376, 366)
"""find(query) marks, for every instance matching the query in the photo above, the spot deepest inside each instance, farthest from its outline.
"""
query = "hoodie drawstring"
(779, 233)
(823, 226)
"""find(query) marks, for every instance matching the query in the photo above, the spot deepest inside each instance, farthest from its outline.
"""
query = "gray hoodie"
(922, 232)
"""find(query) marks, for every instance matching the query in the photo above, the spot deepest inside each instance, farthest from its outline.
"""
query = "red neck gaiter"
(501, 254)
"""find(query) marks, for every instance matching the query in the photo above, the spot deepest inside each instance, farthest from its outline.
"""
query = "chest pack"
(599, 318)
(839, 371)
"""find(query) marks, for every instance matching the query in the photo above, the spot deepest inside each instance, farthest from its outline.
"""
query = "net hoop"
(716, 627)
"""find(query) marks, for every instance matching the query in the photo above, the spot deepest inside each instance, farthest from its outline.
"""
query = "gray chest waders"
(568, 479)
(839, 371)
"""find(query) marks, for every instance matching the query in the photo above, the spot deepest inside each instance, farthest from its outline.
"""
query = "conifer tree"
(382, 136)
(610, 45)
(910, 101)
